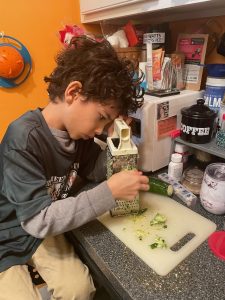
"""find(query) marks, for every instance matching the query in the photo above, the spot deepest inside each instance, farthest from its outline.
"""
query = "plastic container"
(175, 168)
(213, 189)
(215, 70)
(214, 92)
(192, 179)
(183, 150)
(180, 191)
(216, 243)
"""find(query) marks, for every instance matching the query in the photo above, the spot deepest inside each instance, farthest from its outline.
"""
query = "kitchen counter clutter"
(125, 276)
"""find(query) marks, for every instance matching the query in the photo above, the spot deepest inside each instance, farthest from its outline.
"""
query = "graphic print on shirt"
(59, 186)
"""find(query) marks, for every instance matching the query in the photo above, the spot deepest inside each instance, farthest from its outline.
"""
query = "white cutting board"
(180, 221)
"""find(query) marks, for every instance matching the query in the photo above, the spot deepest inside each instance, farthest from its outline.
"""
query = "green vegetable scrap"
(159, 243)
(141, 211)
(135, 216)
(159, 220)
(141, 233)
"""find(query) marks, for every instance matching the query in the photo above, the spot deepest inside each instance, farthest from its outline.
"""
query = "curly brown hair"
(103, 75)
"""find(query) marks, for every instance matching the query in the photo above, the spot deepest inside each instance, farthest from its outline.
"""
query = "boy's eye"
(101, 117)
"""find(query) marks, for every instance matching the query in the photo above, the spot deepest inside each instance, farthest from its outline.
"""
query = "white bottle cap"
(176, 157)
(180, 148)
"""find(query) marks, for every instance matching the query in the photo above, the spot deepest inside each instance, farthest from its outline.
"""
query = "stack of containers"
(215, 89)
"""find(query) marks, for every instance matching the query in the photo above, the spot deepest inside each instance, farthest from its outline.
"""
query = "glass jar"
(192, 179)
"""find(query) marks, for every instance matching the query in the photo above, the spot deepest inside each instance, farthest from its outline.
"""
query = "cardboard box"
(194, 48)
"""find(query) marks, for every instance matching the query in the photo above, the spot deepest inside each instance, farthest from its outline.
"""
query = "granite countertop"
(200, 276)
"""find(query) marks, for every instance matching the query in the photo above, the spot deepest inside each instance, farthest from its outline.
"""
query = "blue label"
(214, 96)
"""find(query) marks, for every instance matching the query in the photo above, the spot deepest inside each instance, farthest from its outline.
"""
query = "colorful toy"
(15, 62)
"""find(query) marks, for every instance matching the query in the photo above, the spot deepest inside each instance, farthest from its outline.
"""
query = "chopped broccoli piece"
(154, 245)
(158, 220)
(159, 243)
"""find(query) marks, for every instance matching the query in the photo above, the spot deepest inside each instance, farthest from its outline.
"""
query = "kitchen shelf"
(209, 147)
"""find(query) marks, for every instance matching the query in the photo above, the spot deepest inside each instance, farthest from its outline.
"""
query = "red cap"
(216, 243)
(223, 116)
(175, 133)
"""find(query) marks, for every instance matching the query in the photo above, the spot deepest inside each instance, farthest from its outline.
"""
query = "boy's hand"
(126, 184)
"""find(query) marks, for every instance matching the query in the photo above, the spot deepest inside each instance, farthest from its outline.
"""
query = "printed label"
(166, 126)
(214, 96)
(155, 37)
(163, 110)
(195, 130)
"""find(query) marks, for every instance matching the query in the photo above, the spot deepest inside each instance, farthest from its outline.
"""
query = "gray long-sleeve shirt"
(39, 169)
(72, 212)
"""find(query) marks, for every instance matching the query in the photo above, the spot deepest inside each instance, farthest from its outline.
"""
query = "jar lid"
(176, 157)
(198, 110)
(216, 171)
(216, 243)
(215, 81)
(181, 148)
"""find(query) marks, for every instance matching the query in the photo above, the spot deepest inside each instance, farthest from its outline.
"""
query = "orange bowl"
(11, 62)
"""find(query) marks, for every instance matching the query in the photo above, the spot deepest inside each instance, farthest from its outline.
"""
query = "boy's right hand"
(126, 184)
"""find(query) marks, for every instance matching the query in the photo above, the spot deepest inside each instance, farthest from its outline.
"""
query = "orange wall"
(36, 25)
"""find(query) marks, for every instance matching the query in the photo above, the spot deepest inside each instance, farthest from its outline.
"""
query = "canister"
(214, 92)
(213, 189)
(197, 123)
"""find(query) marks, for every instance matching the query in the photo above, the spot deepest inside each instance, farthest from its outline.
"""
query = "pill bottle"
(175, 168)
(183, 150)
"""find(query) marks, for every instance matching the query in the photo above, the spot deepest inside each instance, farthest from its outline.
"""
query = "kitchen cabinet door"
(87, 6)
(164, 10)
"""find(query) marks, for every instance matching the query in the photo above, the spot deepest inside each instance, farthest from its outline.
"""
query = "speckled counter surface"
(200, 276)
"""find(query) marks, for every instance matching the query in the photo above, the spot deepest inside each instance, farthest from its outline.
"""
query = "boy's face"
(85, 119)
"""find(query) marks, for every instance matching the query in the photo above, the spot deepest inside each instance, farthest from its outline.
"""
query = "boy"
(42, 154)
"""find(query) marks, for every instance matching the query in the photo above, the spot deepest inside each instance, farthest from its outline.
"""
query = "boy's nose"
(99, 130)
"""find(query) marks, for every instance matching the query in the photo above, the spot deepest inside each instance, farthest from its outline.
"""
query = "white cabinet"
(167, 10)
(87, 6)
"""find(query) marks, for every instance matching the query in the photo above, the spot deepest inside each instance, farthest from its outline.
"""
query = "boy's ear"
(72, 91)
